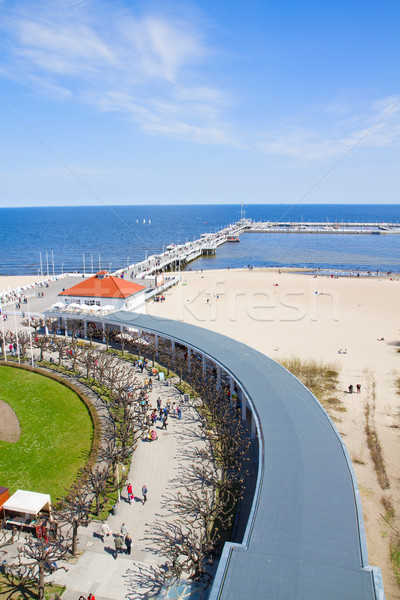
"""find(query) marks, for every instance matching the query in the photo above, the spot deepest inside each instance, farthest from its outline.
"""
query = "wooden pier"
(178, 256)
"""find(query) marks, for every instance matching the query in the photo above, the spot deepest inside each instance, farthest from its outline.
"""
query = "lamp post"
(123, 470)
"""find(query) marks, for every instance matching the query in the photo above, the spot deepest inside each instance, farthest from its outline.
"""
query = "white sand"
(12, 282)
(290, 318)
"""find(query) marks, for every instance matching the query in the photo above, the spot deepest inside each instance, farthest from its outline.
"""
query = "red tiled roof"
(103, 287)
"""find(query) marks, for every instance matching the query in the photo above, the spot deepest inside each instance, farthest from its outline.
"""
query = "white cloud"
(143, 67)
(151, 69)
(373, 126)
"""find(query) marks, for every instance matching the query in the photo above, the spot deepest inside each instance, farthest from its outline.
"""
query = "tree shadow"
(12, 587)
(145, 582)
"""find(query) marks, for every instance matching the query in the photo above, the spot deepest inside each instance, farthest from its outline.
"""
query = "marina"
(324, 227)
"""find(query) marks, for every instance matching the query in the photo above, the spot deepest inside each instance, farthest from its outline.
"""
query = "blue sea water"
(111, 237)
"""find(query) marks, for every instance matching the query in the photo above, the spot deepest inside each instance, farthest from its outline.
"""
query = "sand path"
(9, 424)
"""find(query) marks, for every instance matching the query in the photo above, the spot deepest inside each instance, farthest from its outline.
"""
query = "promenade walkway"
(157, 465)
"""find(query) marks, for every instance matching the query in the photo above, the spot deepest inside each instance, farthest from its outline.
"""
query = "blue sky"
(254, 101)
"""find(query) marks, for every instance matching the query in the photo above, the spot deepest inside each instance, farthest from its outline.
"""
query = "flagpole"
(30, 332)
(16, 333)
(2, 327)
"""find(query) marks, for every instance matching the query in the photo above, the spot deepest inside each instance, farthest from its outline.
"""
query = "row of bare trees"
(202, 512)
(125, 423)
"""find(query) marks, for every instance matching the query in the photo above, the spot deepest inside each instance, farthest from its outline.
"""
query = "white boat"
(144, 220)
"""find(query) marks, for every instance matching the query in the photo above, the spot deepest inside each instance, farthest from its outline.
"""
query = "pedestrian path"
(157, 465)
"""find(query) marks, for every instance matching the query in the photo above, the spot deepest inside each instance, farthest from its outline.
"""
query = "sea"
(53, 240)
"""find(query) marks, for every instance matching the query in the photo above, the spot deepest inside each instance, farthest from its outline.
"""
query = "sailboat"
(144, 220)
(149, 221)
(137, 220)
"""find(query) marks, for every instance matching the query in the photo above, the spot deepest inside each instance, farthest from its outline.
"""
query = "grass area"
(56, 434)
(395, 557)
(373, 441)
(320, 378)
(12, 588)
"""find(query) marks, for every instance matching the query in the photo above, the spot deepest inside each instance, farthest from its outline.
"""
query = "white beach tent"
(30, 503)
(108, 307)
(58, 305)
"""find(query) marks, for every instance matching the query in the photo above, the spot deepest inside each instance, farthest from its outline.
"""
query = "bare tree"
(36, 556)
(34, 322)
(125, 339)
(91, 331)
(183, 547)
(74, 326)
(74, 510)
(60, 346)
(41, 342)
(99, 485)
(108, 335)
(88, 360)
(53, 326)
(7, 538)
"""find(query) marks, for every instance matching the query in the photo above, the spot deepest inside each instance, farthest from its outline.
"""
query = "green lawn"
(56, 434)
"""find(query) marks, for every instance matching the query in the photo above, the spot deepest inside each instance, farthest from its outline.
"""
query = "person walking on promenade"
(105, 531)
(164, 421)
(130, 493)
(118, 545)
(128, 543)
(123, 530)
(144, 493)
(179, 412)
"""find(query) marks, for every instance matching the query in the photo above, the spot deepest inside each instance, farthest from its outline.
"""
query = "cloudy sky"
(213, 101)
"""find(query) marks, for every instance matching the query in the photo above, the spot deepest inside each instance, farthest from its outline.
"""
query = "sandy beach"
(284, 314)
(15, 281)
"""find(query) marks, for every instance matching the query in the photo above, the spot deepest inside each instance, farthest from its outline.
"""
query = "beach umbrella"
(108, 307)
(58, 305)
(74, 306)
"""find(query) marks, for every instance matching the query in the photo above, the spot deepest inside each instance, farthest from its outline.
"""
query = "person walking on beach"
(144, 493)
(358, 388)
(350, 389)
(179, 412)
(128, 543)
(118, 545)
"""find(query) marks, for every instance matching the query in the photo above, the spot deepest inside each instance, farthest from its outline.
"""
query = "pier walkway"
(177, 256)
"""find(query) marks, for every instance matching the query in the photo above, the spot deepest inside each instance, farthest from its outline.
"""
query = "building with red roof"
(102, 290)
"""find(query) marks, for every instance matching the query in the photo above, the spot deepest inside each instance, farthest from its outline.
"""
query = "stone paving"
(155, 464)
